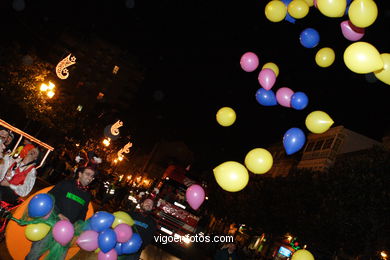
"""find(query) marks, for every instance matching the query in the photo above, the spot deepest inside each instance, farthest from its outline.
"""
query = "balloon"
(118, 248)
(63, 232)
(266, 97)
(231, 176)
(226, 116)
(309, 38)
(195, 196)
(133, 245)
(309, 2)
(325, 57)
(332, 8)
(123, 232)
(362, 57)
(288, 17)
(259, 161)
(107, 240)
(283, 96)
(318, 122)
(275, 11)
(351, 32)
(267, 78)
(88, 240)
(36, 232)
(249, 62)
(110, 255)
(298, 9)
(293, 140)
(40, 205)
(101, 220)
(384, 74)
(272, 66)
(302, 254)
(299, 100)
(122, 217)
(363, 13)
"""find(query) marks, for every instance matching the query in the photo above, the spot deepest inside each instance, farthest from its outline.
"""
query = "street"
(150, 252)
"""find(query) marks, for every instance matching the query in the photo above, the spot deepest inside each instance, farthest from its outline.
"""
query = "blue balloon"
(266, 97)
(107, 240)
(293, 140)
(101, 220)
(288, 17)
(118, 248)
(309, 38)
(133, 245)
(40, 205)
(299, 100)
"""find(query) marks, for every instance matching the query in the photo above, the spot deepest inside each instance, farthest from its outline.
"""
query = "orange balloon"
(17, 243)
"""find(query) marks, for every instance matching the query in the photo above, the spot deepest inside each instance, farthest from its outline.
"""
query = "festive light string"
(114, 127)
(61, 69)
(125, 149)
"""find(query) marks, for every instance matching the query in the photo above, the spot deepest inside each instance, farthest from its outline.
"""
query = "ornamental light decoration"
(125, 149)
(61, 69)
(115, 127)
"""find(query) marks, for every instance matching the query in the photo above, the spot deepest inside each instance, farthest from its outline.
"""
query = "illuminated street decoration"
(115, 70)
(125, 149)
(61, 69)
(114, 127)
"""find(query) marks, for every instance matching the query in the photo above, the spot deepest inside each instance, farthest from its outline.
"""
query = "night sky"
(191, 51)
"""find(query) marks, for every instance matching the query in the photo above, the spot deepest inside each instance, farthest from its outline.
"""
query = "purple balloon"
(195, 196)
(249, 62)
(123, 232)
(88, 240)
(110, 255)
(283, 96)
(63, 232)
(350, 31)
(267, 78)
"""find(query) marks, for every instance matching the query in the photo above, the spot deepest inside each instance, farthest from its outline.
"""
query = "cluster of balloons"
(110, 235)
(40, 206)
(195, 196)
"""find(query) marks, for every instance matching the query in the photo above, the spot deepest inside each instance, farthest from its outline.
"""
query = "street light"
(107, 141)
(49, 89)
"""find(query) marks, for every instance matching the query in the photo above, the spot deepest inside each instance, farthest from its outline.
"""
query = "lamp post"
(48, 89)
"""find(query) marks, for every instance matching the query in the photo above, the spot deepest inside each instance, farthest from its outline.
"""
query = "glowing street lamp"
(49, 89)
(50, 94)
(107, 141)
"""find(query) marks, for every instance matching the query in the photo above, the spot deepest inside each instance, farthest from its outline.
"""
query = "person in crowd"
(145, 225)
(7, 137)
(227, 252)
(20, 176)
(71, 203)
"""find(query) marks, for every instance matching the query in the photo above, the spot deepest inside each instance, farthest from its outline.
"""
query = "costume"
(145, 225)
(71, 200)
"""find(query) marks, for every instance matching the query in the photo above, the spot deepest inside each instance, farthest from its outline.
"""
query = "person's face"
(147, 205)
(2, 148)
(32, 155)
(86, 177)
(5, 137)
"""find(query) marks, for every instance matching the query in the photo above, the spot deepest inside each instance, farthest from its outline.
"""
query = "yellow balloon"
(36, 232)
(384, 74)
(318, 122)
(259, 161)
(362, 13)
(122, 217)
(302, 254)
(332, 8)
(298, 9)
(272, 66)
(309, 2)
(231, 176)
(325, 57)
(275, 11)
(226, 116)
(363, 58)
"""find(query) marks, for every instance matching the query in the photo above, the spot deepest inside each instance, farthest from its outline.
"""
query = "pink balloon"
(195, 196)
(249, 62)
(267, 78)
(63, 232)
(88, 240)
(283, 96)
(48, 215)
(350, 31)
(123, 232)
(110, 255)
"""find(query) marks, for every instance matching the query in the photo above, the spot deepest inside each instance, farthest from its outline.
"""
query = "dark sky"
(192, 49)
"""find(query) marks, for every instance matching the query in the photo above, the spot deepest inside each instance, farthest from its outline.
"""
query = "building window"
(318, 145)
(309, 147)
(328, 143)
